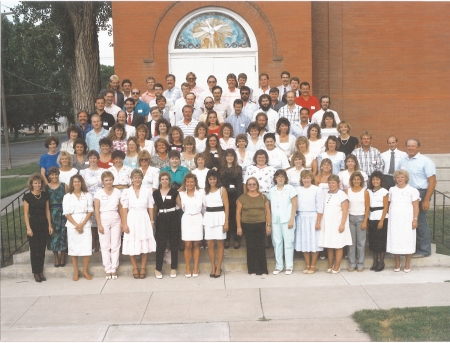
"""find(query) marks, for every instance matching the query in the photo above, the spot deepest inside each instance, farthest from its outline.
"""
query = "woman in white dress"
(215, 220)
(244, 156)
(200, 136)
(137, 221)
(66, 171)
(227, 133)
(277, 158)
(107, 212)
(334, 226)
(284, 140)
(402, 223)
(302, 145)
(316, 142)
(351, 165)
(78, 208)
(93, 178)
(192, 201)
(336, 157)
(201, 171)
(297, 163)
(151, 174)
(307, 221)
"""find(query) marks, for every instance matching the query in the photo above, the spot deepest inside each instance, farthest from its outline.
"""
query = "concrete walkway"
(235, 307)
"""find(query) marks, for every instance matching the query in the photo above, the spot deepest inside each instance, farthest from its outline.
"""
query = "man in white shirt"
(109, 106)
(212, 82)
(294, 82)
(249, 106)
(301, 129)
(285, 86)
(220, 106)
(166, 113)
(324, 107)
(172, 92)
(391, 158)
(187, 125)
(232, 92)
(191, 101)
(208, 106)
(181, 101)
(159, 92)
(264, 87)
(193, 88)
(242, 80)
(291, 111)
(272, 116)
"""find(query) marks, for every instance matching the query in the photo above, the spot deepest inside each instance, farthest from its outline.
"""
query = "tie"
(284, 90)
(392, 164)
(129, 119)
(115, 98)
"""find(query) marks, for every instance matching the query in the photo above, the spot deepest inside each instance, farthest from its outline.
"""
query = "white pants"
(110, 240)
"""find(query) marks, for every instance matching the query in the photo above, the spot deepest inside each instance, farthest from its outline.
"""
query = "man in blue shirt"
(140, 107)
(238, 120)
(422, 176)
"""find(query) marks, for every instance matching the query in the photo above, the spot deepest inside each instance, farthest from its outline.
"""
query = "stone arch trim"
(259, 12)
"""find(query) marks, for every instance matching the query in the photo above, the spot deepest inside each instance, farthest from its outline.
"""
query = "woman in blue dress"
(58, 241)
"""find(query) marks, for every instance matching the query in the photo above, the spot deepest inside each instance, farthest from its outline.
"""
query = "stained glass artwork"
(212, 31)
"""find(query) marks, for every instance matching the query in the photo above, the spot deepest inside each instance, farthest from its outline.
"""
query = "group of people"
(283, 172)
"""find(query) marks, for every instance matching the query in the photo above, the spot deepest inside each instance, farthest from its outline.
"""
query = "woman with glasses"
(254, 221)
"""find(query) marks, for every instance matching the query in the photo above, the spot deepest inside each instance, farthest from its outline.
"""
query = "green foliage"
(105, 74)
(419, 324)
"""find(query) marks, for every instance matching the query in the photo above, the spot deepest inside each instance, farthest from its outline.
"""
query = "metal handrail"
(10, 245)
(444, 197)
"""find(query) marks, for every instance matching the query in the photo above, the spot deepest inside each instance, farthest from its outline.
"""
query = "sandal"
(136, 275)
(305, 271)
(143, 274)
(312, 271)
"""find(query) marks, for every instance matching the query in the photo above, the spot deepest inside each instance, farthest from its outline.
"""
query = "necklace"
(40, 195)
(346, 141)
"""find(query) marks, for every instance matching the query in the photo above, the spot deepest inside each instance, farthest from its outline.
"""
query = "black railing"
(439, 219)
(13, 231)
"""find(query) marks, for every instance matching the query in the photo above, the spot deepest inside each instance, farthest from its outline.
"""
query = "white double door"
(219, 66)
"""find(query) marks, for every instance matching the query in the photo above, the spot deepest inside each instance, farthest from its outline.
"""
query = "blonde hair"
(401, 172)
(305, 173)
(65, 154)
(189, 176)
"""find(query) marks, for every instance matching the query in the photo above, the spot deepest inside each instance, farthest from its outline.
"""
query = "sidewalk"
(235, 307)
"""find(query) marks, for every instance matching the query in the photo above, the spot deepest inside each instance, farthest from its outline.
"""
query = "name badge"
(232, 186)
(168, 197)
(105, 124)
(174, 148)
(216, 155)
(374, 162)
(405, 193)
(313, 107)
(87, 162)
(139, 111)
(242, 125)
(110, 164)
(104, 197)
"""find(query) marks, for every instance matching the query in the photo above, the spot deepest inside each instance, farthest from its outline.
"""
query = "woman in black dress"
(214, 152)
(231, 179)
(36, 210)
(168, 223)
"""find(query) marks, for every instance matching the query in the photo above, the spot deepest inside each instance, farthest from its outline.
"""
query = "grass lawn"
(13, 234)
(13, 185)
(27, 169)
(406, 324)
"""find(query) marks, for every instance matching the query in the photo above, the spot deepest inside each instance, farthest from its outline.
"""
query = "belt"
(215, 209)
(120, 186)
(373, 209)
(165, 210)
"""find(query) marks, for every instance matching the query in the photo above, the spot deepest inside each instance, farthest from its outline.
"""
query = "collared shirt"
(249, 109)
(188, 130)
(293, 116)
(142, 108)
(197, 91)
(297, 130)
(257, 93)
(147, 97)
(312, 103)
(281, 203)
(230, 96)
(282, 92)
(173, 94)
(369, 161)
(278, 105)
(239, 123)
(317, 117)
(386, 156)
(277, 158)
(177, 175)
(85, 131)
(179, 109)
(122, 176)
(272, 117)
(224, 108)
(420, 168)
(92, 139)
(107, 119)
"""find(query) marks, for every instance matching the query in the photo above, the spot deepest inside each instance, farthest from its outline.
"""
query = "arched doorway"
(213, 41)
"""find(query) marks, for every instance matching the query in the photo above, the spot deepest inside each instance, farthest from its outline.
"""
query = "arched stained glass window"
(212, 30)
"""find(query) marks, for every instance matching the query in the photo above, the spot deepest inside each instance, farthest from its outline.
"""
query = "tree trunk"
(84, 68)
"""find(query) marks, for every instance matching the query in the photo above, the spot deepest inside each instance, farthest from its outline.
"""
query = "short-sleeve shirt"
(108, 202)
(253, 208)
(420, 168)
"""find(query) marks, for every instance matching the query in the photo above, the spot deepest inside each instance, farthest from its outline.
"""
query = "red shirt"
(312, 103)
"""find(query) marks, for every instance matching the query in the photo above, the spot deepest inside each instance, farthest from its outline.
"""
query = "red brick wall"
(139, 52)
(388, 68)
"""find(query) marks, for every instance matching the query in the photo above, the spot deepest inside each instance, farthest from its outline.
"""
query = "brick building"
(385, 65)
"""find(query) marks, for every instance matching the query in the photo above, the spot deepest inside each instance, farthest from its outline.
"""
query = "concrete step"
(235, 261)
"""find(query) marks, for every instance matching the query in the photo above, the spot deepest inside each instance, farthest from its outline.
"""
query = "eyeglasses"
(209, 102)
(144, 159)
(134, 93)
(191, 78)
(211, 81)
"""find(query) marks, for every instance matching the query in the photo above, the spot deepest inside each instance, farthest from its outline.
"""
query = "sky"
(106, 52)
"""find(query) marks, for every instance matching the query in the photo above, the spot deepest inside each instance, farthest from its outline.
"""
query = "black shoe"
(56, 265)
(226, 244)
(37, 278)
(374, 265)
(42, 277)
(218, 276)
(380, 267)
(211, 275)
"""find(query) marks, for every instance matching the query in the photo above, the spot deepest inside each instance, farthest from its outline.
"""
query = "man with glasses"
(209, 106)
(249, 107)
(140, 107)
(212, 82)
(193, 88)
(172, 92)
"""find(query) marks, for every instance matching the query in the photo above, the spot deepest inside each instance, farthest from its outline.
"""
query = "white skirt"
(192, 227)
(80, 244)
(140, 239)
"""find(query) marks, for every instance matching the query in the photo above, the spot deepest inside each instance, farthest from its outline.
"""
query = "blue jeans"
(356, 250)
(423, 238)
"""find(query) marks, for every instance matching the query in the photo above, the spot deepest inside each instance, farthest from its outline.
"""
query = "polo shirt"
(176, 176)
(312, 103)
(173, 94)
(189, 129)
(420, 168)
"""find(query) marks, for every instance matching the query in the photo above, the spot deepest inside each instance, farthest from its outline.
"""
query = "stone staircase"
(234, 260)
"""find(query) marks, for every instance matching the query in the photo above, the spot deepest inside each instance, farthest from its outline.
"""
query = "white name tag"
(216, 156)
(242, 125)
(313, 107)
(168, 197)
(110, 164)
(174, 148)
(87, 162)
(139, 111)
(104, 197)
(232, 186)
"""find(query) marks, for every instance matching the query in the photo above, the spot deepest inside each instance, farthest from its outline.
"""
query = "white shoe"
(288, 271)
(173, 273)
(158, 274)
(276, 272)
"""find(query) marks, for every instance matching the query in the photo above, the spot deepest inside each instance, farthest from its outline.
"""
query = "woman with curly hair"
(176, 138)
